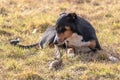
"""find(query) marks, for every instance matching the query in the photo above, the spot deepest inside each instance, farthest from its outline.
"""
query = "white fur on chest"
(76, 42)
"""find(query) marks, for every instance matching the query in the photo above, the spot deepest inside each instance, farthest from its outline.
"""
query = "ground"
(18, 18)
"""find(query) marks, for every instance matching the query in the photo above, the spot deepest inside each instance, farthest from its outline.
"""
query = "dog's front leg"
(71, 52)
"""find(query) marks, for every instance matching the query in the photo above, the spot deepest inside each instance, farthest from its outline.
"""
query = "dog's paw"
(113, 59)
(70, 52)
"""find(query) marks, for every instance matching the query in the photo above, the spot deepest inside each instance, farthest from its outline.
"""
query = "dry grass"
(19, 18)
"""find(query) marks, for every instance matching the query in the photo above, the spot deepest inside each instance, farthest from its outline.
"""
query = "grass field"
(18, 18)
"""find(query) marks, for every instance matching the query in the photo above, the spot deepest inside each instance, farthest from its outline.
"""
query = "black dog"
(72, 23)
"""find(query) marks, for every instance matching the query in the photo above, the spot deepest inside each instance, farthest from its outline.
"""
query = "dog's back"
(87, 31)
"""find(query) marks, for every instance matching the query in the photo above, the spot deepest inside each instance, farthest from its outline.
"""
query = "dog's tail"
(15, 42)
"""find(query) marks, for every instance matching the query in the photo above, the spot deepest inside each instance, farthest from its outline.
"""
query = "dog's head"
(65, 26)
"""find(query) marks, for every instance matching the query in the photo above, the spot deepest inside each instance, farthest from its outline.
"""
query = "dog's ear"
(72, 16)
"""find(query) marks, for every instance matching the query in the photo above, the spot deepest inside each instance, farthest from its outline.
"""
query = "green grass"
(19, 18)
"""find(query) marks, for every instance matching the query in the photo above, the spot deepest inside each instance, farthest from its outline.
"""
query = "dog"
(69, 23)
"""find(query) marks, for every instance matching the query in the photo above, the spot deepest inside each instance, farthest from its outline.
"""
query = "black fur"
(79, 26)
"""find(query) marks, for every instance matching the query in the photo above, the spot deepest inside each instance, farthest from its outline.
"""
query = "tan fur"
(92, 44)
(75, 40)
(66, 34)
